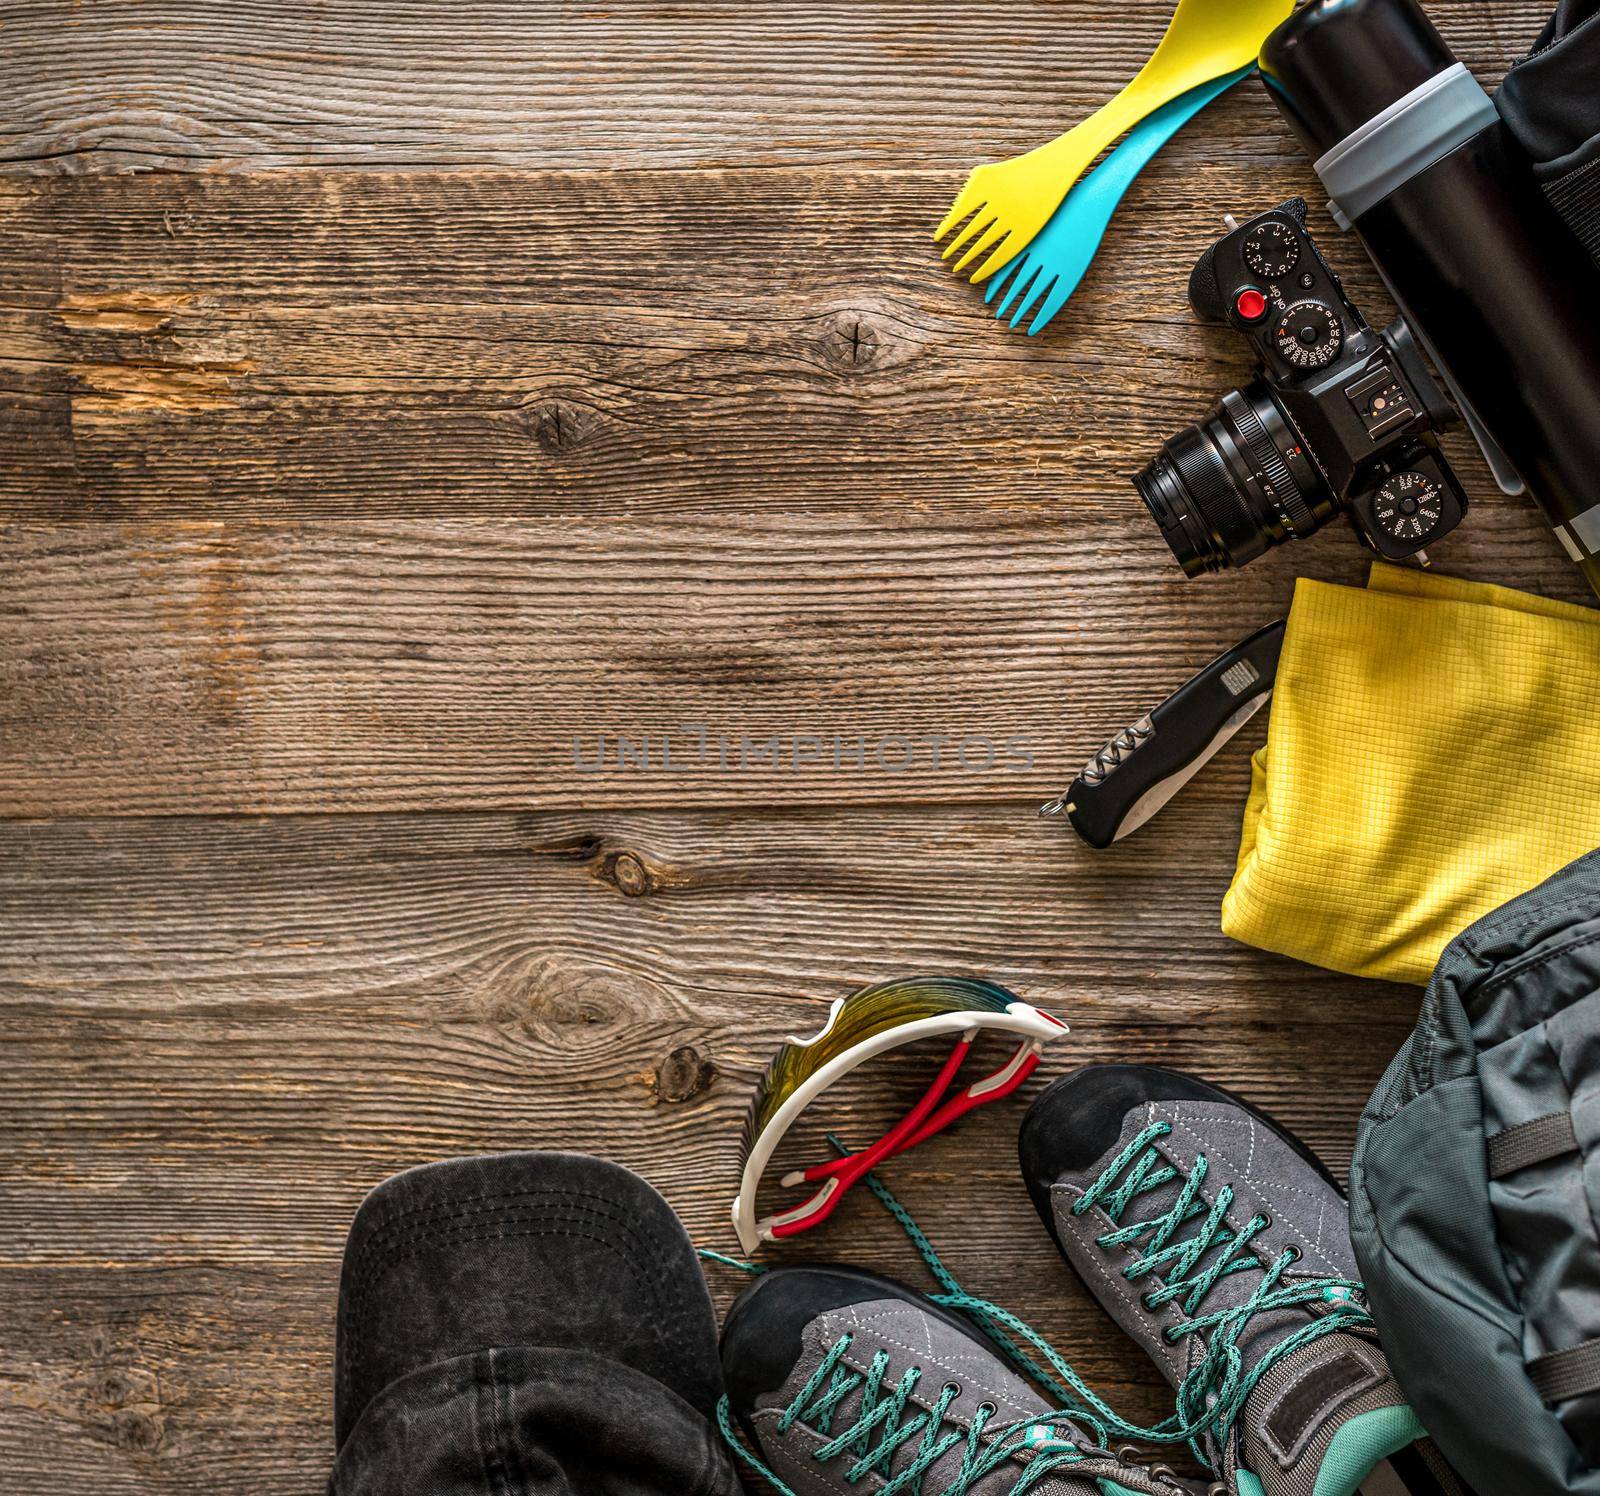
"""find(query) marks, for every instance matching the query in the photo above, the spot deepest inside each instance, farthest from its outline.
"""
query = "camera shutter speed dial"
(1309, 335)
(1272, 250)
(1408, 507)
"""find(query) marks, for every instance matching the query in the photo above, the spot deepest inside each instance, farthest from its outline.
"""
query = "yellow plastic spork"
(1008, 202)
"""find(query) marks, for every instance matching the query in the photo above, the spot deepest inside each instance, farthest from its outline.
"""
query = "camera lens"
(1234, 485)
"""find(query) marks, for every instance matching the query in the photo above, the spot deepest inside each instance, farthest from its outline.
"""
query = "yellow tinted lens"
(870, 1012)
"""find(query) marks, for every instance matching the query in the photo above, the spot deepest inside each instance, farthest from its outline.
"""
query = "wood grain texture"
(219, 1034)
(332, 345)
(614, 345)
(161, 668)
(665, 493)
(200, 85)
(589, 373)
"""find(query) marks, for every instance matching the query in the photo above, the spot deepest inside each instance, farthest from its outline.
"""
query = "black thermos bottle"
(1496, 286)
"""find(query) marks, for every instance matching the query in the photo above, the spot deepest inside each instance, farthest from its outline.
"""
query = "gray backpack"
(1475, 1196)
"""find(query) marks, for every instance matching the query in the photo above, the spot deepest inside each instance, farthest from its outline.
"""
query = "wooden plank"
(735, 909)
(131, 1380)
(201, 85)
(219, 1034)
(942, 544)
(153, 669)
(334, 345)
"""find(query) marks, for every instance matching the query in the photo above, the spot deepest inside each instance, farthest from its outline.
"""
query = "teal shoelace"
(886, 1421)
(1209, 1400)
(1188, 1264)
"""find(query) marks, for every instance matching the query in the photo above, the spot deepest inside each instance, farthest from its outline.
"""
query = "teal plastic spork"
(1047, 272)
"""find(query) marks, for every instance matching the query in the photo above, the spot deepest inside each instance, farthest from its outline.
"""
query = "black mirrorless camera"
(1339, 418)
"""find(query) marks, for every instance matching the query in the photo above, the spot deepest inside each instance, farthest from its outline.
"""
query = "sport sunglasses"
(874, 1020)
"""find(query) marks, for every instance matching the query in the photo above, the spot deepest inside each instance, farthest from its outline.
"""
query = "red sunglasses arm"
(839, 1175)
(922, 1123)
(996, 1088)
(894, 1140)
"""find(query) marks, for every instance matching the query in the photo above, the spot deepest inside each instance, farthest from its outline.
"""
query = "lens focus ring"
(1206, 478)
(1270, 464)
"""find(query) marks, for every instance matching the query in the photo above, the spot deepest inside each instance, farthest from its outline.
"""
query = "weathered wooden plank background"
(570, 375)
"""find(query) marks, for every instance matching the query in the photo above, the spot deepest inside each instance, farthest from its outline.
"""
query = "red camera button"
(1250, 304)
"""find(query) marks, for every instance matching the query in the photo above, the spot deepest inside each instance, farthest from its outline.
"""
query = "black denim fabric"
(528, 1324)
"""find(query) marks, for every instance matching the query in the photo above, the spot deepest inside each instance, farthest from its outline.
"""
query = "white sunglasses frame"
(1019, 1018)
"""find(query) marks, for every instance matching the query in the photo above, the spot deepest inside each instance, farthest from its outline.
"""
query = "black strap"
(1548, 99)
(1568, 1373)
(1422, 1471)
(1576, 195)
(1531, 1143)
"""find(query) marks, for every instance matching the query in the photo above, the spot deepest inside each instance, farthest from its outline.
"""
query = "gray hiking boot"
(848, 1383)
(1221, 1244)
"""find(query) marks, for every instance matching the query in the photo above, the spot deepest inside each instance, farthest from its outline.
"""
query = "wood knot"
(121, 1404)
(682, 1076)
(563, 999)
(628, 873)
(571, 1004)
(850, 341)
(857, 340)
(561, 425)
(136, 1431)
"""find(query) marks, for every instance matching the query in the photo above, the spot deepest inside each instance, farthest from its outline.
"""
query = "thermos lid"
(1335, 64)
(1405, 139)
(1373, 93)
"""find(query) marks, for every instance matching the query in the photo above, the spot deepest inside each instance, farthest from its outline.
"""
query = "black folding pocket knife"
(1145, 765)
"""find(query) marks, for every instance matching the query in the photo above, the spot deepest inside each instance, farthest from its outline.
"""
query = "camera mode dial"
(1308, 335)
(1272, 250)
(1408, 507)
